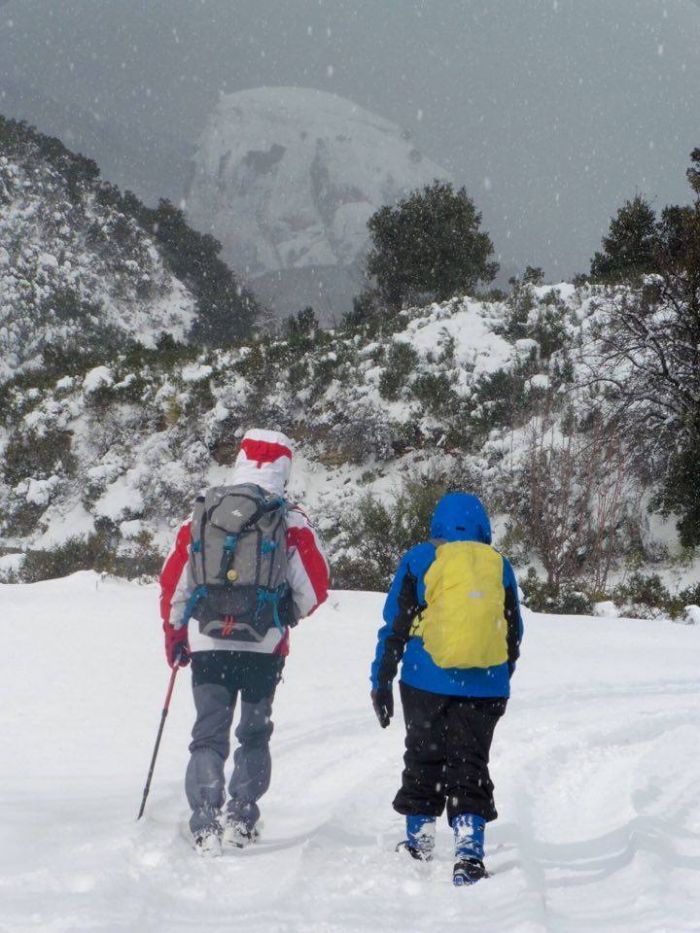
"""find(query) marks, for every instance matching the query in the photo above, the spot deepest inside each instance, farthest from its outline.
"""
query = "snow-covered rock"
(691, 616)
(606, 609)
(287, 178)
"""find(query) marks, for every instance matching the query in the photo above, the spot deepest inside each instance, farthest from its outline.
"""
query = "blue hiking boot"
(469, 849)
(420, 837)
(468, 871)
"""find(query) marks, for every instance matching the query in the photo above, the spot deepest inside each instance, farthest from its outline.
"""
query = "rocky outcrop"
(287, 179)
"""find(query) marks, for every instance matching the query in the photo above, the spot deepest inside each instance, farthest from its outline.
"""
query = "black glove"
(383, 703)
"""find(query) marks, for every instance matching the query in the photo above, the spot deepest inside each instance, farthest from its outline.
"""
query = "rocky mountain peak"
(287, 178)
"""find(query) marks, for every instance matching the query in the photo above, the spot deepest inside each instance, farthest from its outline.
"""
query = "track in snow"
(595, 764)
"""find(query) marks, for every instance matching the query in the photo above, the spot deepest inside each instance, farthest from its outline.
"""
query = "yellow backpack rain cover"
(464, 624)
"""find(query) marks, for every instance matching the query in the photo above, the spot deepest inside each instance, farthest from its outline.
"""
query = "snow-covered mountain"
(77, 271)
(551, 113)
(287, 178)
(595, 765)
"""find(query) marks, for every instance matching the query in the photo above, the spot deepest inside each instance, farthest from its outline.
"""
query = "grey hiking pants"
(217, 679)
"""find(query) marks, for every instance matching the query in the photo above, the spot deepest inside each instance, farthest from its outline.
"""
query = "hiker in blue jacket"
(453, 618)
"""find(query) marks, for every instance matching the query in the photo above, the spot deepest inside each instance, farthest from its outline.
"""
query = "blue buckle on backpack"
(272, 597)
(197, 594)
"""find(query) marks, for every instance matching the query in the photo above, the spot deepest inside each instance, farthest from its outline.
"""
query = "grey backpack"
(238, 564)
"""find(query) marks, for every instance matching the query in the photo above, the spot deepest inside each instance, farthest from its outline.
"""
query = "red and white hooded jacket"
(265, 458)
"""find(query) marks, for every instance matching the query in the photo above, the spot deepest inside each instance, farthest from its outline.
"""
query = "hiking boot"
(468, 871)
(420, 837)
(207, 842)
(238, 835)
(419, 855)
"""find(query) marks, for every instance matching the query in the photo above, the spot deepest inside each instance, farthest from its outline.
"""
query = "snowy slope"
(75, 271)
(595, 765)
(126, 447)
(287, 178)
(128, 468)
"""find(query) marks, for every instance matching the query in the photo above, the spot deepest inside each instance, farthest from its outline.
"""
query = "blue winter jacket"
(457, 517)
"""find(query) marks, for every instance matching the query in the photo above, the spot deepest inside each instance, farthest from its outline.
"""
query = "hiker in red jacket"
(245, 568)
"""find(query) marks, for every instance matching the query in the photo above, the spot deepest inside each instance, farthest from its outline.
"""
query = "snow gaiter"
(420, 834)
(469, 836)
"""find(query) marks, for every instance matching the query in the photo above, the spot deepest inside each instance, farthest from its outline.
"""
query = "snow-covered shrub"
(75, 554)
(691, 615)
(435, 393)
(574, 495)
(643, 596)
(566, 599)
(364, 434)
(100, 551)
(547, 325)
(646, 596)
(20, 518)
(323, 372)
(36, 455)
(500, 400)
(376, 534)
(400, 365)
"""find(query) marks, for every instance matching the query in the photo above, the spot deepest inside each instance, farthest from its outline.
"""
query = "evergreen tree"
(629, 249)
(226, 311)
(301, 330)
(656, 335)
(681, 494)
(429, 246)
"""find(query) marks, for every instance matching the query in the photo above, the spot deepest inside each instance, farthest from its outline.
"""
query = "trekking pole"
(166, 707)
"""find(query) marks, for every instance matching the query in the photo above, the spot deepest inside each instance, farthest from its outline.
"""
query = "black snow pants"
(448, 740)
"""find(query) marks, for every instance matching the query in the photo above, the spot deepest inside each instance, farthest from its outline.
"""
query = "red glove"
(177, 646)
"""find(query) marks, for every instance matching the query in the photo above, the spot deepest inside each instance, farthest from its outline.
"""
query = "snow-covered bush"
(376, 534)
(645, 596)
(362, 436)
(400, 364)
(99, 551)
(566, 599)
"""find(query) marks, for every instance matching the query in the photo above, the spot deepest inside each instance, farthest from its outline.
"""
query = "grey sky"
(551, 112)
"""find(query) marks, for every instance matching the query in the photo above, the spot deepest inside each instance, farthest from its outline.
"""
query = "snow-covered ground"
(596, 768)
